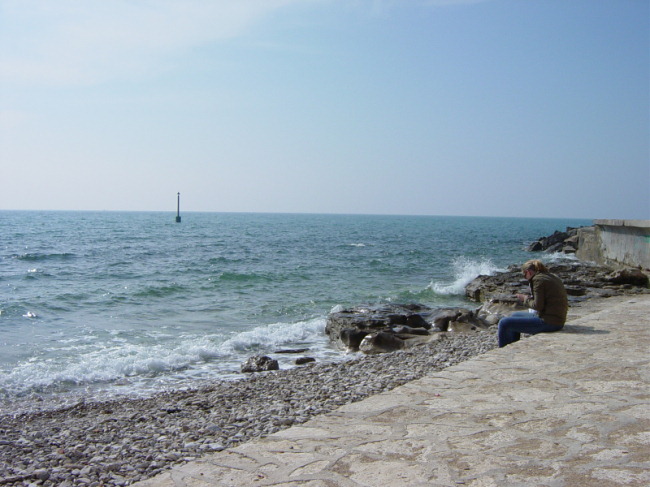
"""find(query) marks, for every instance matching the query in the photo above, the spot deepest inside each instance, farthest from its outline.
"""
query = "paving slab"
(566, 409)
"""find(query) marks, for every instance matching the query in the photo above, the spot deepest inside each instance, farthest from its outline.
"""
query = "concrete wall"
(616, 243)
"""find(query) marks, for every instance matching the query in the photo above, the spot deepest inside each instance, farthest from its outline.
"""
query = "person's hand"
(522, 297)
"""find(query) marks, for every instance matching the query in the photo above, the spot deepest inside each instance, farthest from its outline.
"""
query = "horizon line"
(310, 213)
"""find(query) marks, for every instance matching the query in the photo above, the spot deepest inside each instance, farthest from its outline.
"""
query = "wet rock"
(371, 319)
(565, 242)
(259, 363)
(304, 360)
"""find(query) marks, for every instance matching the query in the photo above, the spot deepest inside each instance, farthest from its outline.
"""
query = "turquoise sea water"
(95, 304)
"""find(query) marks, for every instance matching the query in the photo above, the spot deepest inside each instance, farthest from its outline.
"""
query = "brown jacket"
(549, 298)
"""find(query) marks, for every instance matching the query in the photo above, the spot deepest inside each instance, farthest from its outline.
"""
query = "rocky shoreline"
(390, 327)
(117, 443)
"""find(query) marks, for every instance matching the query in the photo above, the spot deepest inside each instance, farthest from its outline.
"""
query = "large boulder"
(370, 319)
(565, 242)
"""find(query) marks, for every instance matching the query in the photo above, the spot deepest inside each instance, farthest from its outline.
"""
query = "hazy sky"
(532, 108)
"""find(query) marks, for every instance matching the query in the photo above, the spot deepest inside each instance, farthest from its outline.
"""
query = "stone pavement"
(565, 409)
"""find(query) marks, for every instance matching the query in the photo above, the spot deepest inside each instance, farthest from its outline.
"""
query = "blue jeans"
(511, 327)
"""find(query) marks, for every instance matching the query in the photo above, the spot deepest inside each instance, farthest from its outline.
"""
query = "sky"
(536, 108)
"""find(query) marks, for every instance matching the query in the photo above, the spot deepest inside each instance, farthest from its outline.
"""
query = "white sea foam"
(558, 257)
(87, 362)
(275, 335)
(95, 364)
(465, 270)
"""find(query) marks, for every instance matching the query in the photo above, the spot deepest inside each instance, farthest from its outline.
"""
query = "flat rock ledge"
(391, 327)
(582, 280)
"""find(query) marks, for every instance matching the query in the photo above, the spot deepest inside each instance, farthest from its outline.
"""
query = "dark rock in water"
(259, 363)
(565, 242)
(292, 350)
(304, 360)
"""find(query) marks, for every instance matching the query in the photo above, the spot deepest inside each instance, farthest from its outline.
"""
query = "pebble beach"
(117, 443)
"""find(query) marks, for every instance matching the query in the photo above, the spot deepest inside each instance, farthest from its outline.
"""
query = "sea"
(103, 305)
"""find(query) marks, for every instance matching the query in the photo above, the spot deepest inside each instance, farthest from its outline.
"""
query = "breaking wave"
(465, 270)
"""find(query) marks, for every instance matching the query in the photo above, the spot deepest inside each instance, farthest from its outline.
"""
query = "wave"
(244, 277)
(262, 277)
(465, 270)
(160, 291)
(276, 334)
(36, 257)
(117, 362)
(558, 257)
(87, 363)
(35, 274)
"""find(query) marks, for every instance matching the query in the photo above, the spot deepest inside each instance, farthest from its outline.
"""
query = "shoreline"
(123, 441)
(119, 442)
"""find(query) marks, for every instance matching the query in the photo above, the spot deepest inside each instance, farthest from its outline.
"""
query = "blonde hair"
(535, 265)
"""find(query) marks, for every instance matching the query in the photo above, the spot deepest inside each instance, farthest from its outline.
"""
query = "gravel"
(123, 441)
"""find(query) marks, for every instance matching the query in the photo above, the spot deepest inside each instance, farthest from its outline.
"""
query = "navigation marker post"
(178, 208)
